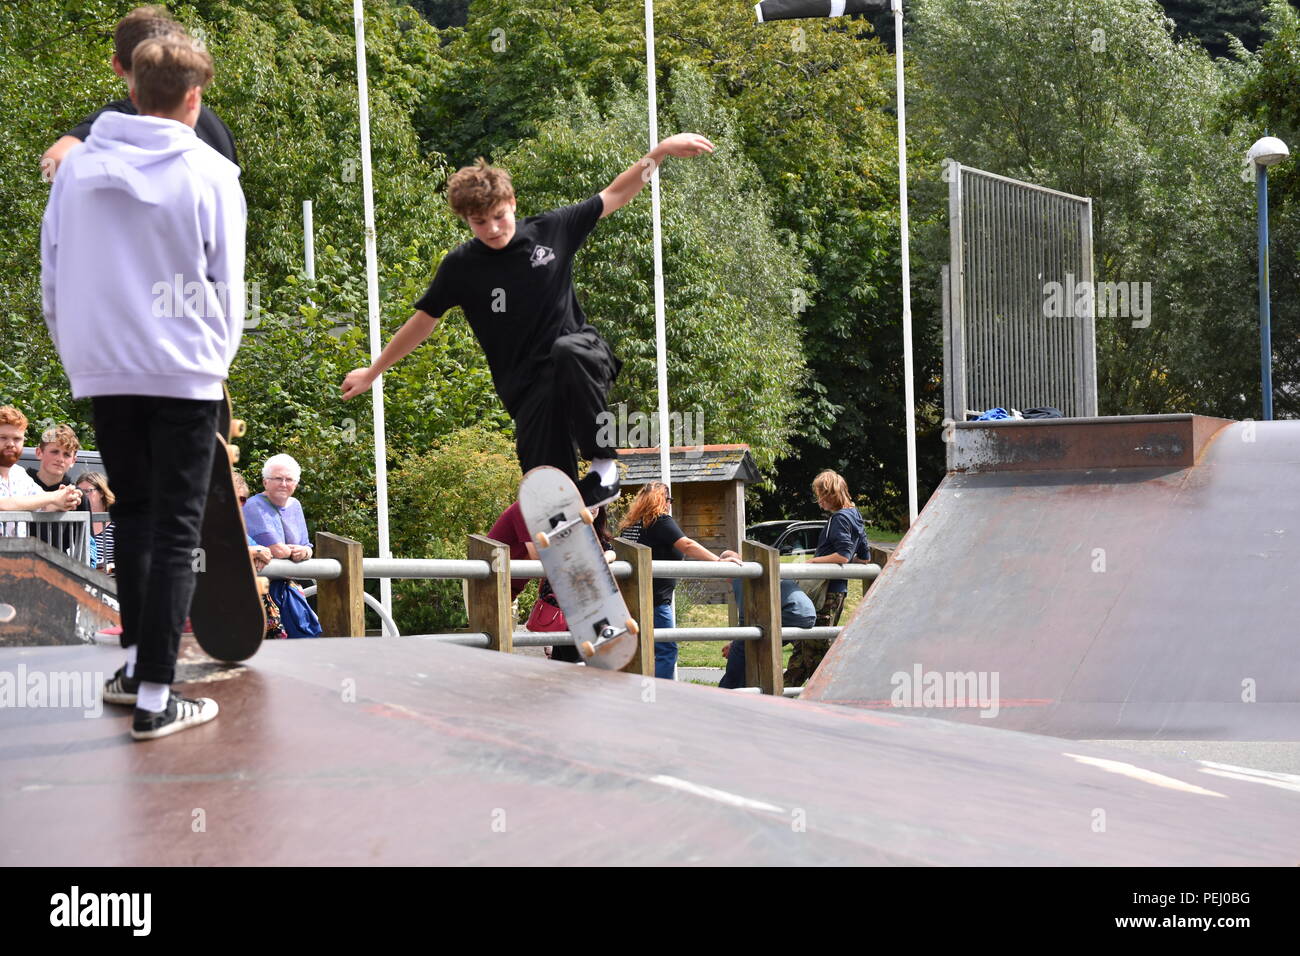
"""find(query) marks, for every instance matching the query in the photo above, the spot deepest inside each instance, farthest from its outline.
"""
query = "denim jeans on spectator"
(158, 455)
(665, 654)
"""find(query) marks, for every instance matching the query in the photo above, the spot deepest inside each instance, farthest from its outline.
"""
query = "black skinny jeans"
(158, 455)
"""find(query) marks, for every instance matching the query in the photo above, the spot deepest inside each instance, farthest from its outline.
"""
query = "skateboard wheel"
(238, 427)
(233, 452)
(587, 516)
(632, 627)
(542, 540)
(586, 649)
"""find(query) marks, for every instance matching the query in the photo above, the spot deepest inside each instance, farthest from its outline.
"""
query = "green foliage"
(1267, 98)
(1096, 98)
(1213, 21)
(458, 488)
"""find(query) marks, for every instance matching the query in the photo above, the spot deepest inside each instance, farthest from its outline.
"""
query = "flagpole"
(372, 301)
(661, 338)
(908, 388)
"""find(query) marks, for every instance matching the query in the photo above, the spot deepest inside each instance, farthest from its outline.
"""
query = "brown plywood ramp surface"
(401, 751)
(1095, 602)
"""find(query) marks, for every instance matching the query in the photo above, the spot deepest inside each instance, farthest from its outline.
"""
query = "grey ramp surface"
(402, 751)
(1107, 602)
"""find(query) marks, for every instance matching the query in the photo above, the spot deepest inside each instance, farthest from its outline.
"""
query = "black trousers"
(561, 410)
(158, 455)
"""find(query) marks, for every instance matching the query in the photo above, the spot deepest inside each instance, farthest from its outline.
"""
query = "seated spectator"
(18, 492)
(94, 489)
(274, 517)
(274, 520)
(796, 611)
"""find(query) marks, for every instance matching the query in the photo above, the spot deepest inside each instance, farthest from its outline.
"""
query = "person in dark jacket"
(843, 540)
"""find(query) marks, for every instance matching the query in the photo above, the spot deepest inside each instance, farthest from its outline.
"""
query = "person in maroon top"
(511, 530)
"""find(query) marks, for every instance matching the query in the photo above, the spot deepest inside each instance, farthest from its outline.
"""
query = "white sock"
(152, 697)
(130, 660)
(607, 469)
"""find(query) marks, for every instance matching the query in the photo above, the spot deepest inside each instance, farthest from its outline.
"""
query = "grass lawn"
(709, 653)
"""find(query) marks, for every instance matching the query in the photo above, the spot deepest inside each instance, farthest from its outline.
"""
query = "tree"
(1096, 98)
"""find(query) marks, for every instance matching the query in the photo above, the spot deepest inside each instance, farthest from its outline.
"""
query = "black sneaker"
(594, 494)
(181, 712)
(121, 689)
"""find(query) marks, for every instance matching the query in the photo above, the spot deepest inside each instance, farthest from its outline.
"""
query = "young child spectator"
(796, 611)
(141, 203)
(55, 456)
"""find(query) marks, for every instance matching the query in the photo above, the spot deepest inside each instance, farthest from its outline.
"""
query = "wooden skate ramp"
(401, 751)
(1119, 578)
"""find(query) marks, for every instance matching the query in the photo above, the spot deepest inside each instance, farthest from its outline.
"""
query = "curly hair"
(477, 190)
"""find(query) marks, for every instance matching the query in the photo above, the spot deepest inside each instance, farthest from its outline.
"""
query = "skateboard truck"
(559, 524)
(606, 632)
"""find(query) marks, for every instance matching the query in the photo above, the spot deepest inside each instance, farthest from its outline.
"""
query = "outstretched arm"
(417, 328)
(620, 192)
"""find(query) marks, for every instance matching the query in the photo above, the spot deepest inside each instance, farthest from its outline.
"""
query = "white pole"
(661, 338)
(308, 240)
(372, 290)
(909, 396)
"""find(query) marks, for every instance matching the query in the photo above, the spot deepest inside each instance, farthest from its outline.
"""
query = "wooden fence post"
(490, 610)
(762, 597)
(639, 597)
(339, 603)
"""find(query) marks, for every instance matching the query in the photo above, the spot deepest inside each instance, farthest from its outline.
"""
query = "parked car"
(788, 536)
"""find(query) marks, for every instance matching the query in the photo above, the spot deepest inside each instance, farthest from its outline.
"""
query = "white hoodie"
(142, 261)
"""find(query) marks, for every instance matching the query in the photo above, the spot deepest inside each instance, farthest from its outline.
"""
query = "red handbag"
(546, 614)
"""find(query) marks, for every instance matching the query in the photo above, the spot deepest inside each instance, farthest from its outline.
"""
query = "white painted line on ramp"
(1146, 776)
(1286, 781)
(709, 793)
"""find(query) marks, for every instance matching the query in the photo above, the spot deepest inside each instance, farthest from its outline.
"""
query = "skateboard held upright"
(574, 561)
(227, 613)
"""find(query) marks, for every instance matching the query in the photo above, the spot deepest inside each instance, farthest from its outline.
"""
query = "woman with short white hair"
(275, 520)
(274, 517)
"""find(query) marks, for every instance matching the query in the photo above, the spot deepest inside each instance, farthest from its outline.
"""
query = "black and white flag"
(802, 9)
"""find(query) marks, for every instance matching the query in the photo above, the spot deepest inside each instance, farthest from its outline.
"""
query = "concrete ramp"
(1094, 578)
(401, 751)
(57, 600)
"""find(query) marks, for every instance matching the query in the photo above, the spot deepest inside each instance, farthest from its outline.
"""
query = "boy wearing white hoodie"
(142, 274)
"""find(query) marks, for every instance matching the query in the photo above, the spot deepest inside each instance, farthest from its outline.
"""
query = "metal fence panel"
(1009, 242)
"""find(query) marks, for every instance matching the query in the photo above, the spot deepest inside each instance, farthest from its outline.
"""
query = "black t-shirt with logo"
(520, 299)
(209, 128)
(659, 537)
(56, 533)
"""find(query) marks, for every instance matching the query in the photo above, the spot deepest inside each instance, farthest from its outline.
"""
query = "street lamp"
(1268, 151)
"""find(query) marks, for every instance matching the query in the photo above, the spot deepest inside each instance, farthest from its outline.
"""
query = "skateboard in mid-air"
(561, 528)
(227, 613)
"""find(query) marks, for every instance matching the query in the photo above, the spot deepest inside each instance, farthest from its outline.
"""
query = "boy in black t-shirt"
(142, 23)
(514, 282)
